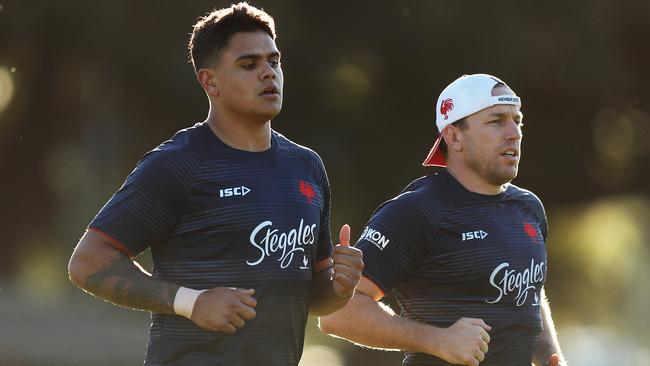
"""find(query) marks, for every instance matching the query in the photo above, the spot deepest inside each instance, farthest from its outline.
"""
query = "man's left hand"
(347, 265)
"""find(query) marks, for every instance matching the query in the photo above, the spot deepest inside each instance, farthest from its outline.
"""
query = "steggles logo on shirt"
(508, 281)
(286, 244)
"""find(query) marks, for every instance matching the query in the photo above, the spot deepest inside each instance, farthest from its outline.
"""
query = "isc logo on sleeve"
(234, 191)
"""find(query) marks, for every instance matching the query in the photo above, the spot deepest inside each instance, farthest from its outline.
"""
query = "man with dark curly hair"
(237, 217)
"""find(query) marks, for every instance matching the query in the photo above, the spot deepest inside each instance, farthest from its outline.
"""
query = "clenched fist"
(466, 342)
(224, 309)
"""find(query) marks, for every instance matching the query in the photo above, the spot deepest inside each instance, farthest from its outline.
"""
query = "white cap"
(465, 96)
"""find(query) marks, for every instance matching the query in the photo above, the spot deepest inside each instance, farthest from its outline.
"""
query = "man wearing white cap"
(463, 250)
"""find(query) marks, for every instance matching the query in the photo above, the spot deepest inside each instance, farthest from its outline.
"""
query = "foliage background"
(87, 87)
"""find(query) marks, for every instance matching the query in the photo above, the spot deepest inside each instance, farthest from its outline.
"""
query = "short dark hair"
(461, 123)
(212, 32)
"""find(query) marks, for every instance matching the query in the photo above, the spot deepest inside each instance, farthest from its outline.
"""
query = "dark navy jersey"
(216, 216)
(448, 253)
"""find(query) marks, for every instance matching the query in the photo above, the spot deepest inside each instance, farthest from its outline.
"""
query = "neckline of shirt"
(487, 197)
(223, 145)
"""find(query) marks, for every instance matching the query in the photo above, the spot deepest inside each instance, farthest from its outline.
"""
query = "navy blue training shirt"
(216, 216)
(448, 253)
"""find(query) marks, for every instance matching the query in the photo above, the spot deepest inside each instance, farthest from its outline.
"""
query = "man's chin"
(270, 113)
(503, 177)
(509, 176)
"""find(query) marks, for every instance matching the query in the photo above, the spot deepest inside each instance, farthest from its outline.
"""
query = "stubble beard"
(489, 169)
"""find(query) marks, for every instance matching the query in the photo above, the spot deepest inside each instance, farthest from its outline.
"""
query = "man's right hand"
(224, 309)
(465, 342)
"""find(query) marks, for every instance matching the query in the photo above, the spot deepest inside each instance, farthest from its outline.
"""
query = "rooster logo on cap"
(446, 106)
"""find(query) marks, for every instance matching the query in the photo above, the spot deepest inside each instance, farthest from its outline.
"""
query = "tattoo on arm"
(123, 283)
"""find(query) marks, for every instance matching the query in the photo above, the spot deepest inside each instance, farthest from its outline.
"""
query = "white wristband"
(184, 301)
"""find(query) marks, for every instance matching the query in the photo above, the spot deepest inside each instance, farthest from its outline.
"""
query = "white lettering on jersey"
(479, 234)
(287, 244)
(234, 191)
(507, 281)
(375, 237)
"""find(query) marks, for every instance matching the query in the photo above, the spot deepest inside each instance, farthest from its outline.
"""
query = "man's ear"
(453, 138)
(209, 82)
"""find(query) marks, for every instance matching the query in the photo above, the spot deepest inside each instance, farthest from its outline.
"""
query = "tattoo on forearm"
(122, 283)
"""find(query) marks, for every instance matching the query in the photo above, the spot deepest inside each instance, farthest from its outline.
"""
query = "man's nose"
(268, 72)
(513, 131)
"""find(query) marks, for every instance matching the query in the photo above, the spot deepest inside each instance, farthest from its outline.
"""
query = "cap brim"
(435, 157)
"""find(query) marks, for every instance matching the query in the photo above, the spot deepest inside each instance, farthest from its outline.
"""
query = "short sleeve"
(144, 210)
(397, 238)
(544, 222)
(325, 234)
(540, 212)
